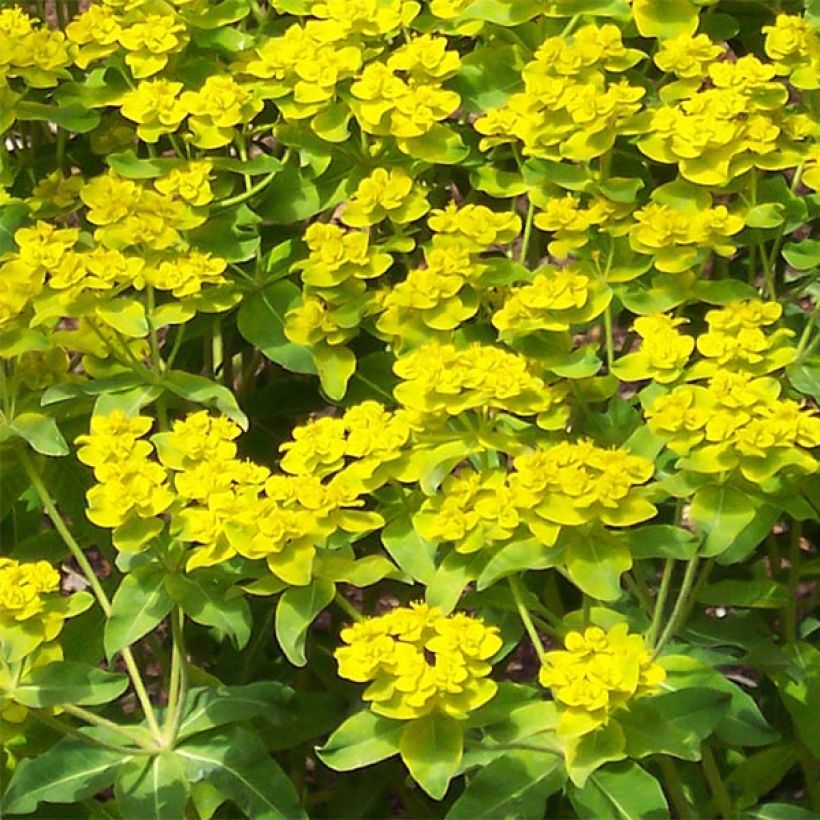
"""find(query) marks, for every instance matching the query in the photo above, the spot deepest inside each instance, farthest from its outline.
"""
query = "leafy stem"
(88, 571)
(790, 614)
(71, 731)
(179, 679)
(676, 618)
(660, 601)
(723, 802)
(345, 605)
(523, 613)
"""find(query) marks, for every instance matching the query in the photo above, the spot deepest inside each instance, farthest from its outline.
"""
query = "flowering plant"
(420, 390)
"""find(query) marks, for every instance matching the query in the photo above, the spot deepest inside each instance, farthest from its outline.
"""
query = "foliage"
(418, 390)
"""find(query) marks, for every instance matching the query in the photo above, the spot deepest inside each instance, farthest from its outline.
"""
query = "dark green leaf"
(153, 788)
(295, 612)
(69, 682)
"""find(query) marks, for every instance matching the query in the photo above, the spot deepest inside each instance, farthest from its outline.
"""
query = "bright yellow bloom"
(420, 662)
(663, 354)
(385, 194)
(219, 105)
(186, 275)
(476, 226)
(96, 31)
(687, 56)
(191, 183)
(150, 41)
(156, 106)
(595, 674)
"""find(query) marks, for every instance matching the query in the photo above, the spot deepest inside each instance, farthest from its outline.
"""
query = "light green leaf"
(125, 315)
(139, 605)
(623, 791)
(721, 512)
(208, 708)
(200, 390)
(452, 575)
(153, 788)
(589, 752)
(431, 748)
(514, 786)
(364, 738)
(517, 557)
(335, 366)
(662, 541)
(295, 612)
(414, 554)
(68, 682)
(203, 599)
(41, 432)
(595, 563)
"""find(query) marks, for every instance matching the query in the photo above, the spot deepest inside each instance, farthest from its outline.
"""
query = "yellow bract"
(420, 662)
(596, 673)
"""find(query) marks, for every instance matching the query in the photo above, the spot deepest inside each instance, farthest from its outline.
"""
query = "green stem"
(179, 679)
(253, 648)
(90, 576)
(674, 788)
(245, 195)
(717, 787)
(790, 610)
(680, 604)
(546, 627)
(660, 601)
(803, 343)
(104, 723)
(610, 339)
(525, 240)
(523, 613)
(71, 731)
(349, 609)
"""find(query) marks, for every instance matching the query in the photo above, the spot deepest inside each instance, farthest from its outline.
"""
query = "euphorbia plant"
(418, 390)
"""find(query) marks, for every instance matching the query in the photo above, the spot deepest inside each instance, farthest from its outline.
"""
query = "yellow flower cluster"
(361, 446)
(678, 235)
(214, 110)
(794, 46)
(736, 339)
(419, 662)
(440, 378)
(575, 483)
(32, 610)
(149, 33)
(596, 673)
(474, 228)
(434, 299)
(132, 489)
(569, 109)
(385, 195)
(473, 510)
(403, 96)
(739, 422)
(38, 56)
(663, 354)
(726, 121)
(556, 299)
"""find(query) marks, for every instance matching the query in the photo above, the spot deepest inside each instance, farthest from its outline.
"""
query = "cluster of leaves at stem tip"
(409, 408)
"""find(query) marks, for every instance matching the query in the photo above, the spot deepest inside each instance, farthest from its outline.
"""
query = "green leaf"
(203, 599)
(595, 562)
(68, 682)
(673, 723)
(623, 791)
(800, 691)
(452, 575)
(589, 752)
(662, 541)
(513, 786)
(431, 748)
(364, 738)
(758, 593)
(200, 390)
(805, 378)
(767, 215)
(335, 366)
(439, 145)
(721, 512)
(208, 708)
(139, 605)
(665, 18)
(217, 15)
(232, 234)
(41, 432)
(502, 12)
(153, 788)
(803, 255)
(295, 612)
(486, 79)
(12, 216)
(126, 316)
(127, 164)
(73, 117)
(66, 773)
(760, 773)
(517, 557)
(261, 320)
(236, 762)
(414, 554)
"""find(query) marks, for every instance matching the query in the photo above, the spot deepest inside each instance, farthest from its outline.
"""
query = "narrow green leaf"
(68, 682)
(414, 554)
(138, 606)
(623, 791)
(200, 390)
(295, 612)
(41, 432)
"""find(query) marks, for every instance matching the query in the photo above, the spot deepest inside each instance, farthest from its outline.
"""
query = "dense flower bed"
(409, 409)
